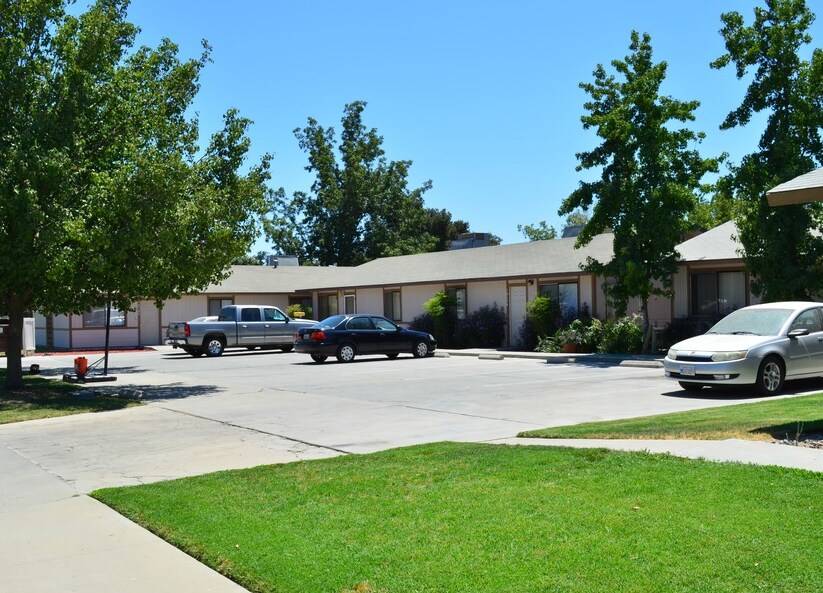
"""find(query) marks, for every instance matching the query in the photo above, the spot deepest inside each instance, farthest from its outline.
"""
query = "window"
(564, 293)
(809, 320)
(716, 294)
(391, 305)
(97, 318)
(250, 314)
(349, 305)
(215, 305)
(459, 295)
(272, 314)
(327, 303)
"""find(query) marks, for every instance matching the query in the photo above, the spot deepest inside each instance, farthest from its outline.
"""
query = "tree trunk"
(647, 327)
(14, 356)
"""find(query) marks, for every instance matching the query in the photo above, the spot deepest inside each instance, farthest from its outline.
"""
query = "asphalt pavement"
(250, 409)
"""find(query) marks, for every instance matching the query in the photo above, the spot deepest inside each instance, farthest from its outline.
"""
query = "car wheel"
(288, 348)
(346, 353)
(421, 349)
(214, 346)
(319, 357)
(770, 376)
(393, 355)
(690, 386)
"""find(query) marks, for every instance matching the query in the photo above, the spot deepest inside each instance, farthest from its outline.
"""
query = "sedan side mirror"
(796, 333)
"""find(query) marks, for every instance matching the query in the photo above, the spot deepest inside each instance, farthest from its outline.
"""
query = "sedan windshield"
(757, 322)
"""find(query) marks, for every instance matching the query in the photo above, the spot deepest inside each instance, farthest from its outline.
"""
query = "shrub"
(296, 308)
(442, 309)
(484, 328)
(423, 323)
(622, 336)
(543, 318)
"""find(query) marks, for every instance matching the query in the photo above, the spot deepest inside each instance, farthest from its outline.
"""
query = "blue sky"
(482, 96)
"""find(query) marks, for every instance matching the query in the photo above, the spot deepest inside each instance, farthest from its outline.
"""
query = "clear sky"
(482, 96)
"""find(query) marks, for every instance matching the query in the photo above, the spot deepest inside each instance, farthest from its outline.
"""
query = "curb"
(634, 360)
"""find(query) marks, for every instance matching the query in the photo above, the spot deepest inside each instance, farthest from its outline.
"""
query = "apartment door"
(517, 312)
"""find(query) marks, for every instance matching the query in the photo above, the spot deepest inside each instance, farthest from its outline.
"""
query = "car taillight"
(317, 335)
(187, 330)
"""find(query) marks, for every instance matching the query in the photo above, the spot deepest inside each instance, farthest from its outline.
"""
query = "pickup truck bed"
(237, 326)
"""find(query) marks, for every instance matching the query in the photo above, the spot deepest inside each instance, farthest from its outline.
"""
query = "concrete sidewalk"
(54, 540)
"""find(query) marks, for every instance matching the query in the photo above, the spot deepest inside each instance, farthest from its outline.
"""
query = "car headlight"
(727, 356)
(672, 354)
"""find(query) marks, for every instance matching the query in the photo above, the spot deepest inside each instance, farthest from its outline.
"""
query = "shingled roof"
(518, 260)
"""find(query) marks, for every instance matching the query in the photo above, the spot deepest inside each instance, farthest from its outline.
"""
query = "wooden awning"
(800, 190)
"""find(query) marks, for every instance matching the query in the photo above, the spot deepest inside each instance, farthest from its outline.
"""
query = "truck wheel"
(346, 353)
(214, 346)
(195, 352)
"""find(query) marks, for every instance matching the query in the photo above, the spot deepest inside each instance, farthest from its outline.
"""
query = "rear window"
(331, 322)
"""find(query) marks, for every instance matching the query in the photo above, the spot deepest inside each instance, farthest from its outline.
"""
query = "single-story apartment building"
(711, 281)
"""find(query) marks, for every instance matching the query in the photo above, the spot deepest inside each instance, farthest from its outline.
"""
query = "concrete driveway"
(251, 408)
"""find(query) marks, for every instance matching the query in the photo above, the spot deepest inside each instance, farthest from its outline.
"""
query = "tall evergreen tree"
(648, 176)
(359, 207)
(780, 252)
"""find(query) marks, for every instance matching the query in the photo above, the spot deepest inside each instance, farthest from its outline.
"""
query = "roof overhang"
(800, 190)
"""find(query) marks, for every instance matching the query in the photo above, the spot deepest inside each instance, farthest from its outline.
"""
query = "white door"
(517, 312)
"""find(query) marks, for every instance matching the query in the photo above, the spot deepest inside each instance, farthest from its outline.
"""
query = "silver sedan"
(762, 345)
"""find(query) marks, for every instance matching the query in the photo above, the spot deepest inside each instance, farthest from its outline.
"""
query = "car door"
(388, 336)
(250, 328)
(277, 328)
(806, 352)
(362, 332)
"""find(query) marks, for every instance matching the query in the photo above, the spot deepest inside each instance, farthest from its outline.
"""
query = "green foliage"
(649, 176)
(439, 224)
(539, 232)
(484, 328)
(104, 192)
(258, 259)
(543, 317)
(458, 517)
(618, 336)
(774, 419)
(442, 309)
(359, 208)
(778, 249)
(298, 308)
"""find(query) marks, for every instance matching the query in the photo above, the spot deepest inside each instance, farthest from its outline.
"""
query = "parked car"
(762, 345)
(237, 326)
(347, 336)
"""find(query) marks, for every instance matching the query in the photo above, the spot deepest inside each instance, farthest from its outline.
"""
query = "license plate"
(687, 370)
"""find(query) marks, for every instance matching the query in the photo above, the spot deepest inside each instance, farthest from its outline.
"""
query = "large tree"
(359, 207)
(649, 176)
(782, 254)
(105, 196)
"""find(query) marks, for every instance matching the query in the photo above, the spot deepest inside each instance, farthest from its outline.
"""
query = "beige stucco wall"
(486, 294)
(370, 300)
(412, 299)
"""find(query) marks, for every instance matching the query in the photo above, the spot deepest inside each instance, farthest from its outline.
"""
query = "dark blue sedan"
(347, 336)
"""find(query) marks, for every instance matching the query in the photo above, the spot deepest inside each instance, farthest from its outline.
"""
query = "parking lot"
(252, 408)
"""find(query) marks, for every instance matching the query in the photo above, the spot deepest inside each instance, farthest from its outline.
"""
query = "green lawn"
(481, 518)
(45, 398)
(774, 419)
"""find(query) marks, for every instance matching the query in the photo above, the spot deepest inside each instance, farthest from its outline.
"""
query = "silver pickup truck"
(237, 326)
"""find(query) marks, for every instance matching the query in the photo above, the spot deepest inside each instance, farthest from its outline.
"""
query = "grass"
(47, 398)
(774, 419)
(454, 518)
